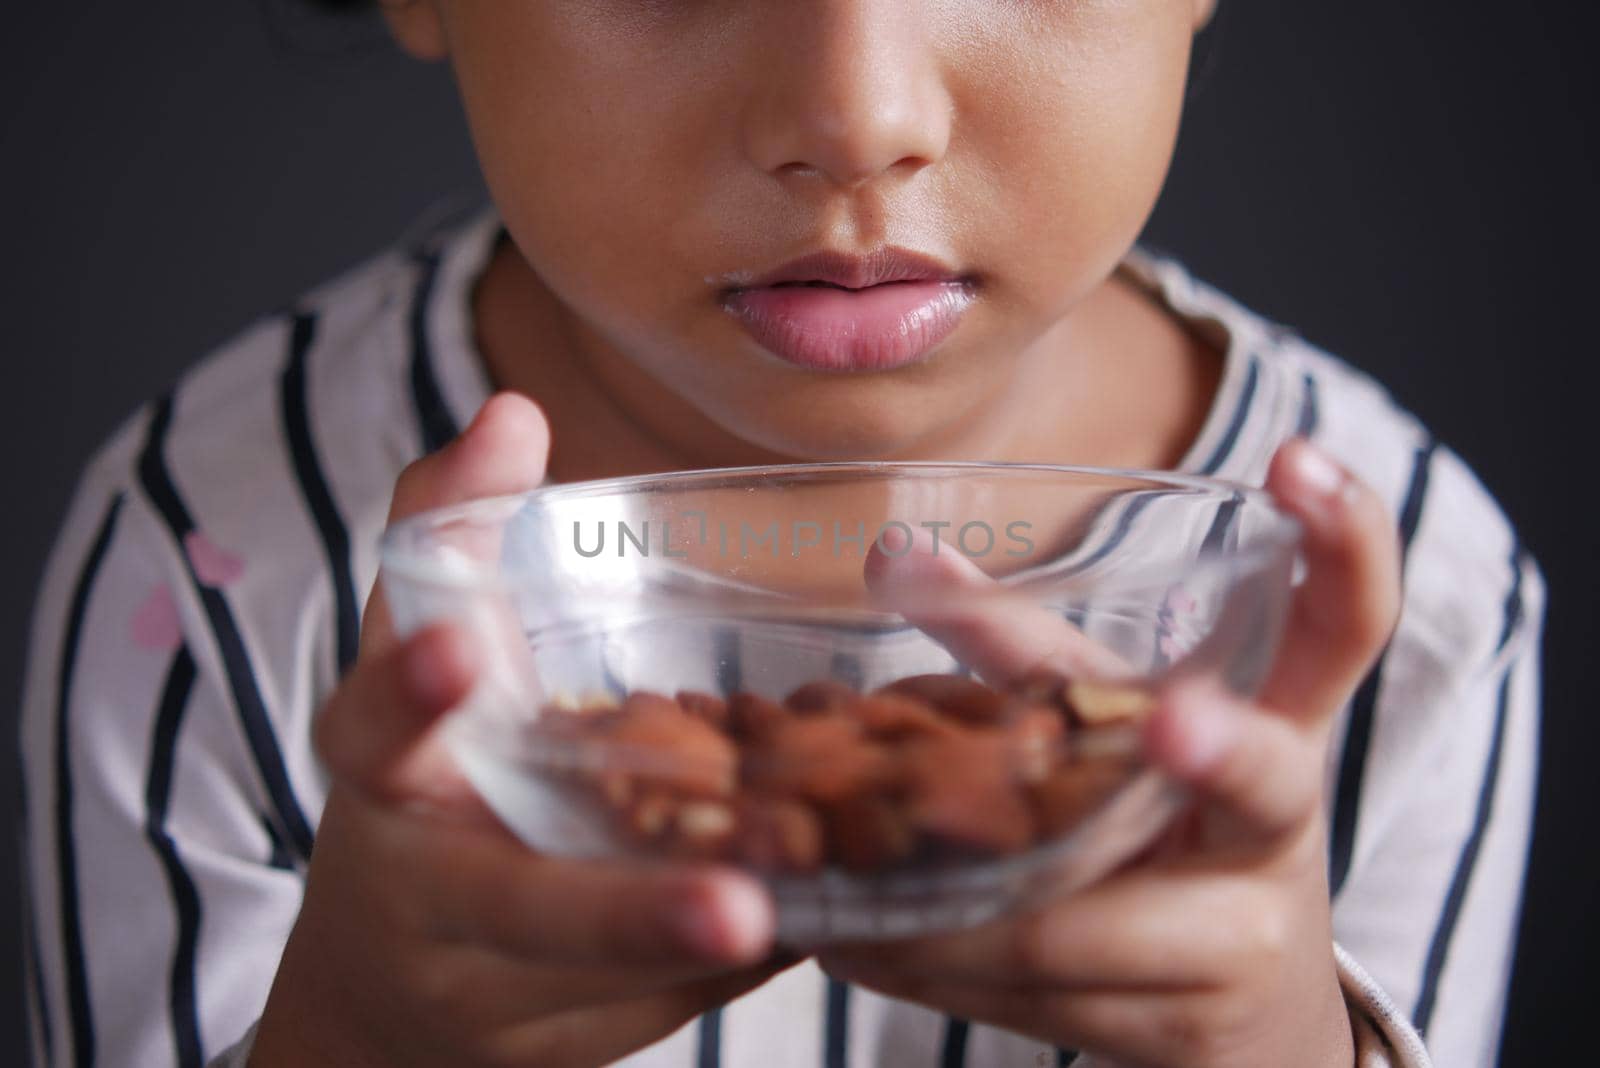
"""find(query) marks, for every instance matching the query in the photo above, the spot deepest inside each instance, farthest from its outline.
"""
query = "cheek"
(587, 157)
(1077, 153)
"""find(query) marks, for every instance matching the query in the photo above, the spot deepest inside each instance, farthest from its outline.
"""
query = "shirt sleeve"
(1383, 1037)
(1433, 788)
(160, 887)
(238, 1054)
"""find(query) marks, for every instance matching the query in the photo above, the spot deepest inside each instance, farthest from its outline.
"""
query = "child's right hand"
(428, 935)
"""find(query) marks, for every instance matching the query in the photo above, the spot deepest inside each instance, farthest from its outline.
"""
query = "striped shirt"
(204, 596)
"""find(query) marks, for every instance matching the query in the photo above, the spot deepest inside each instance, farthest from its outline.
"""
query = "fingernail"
(734, 923)
(1317, 472)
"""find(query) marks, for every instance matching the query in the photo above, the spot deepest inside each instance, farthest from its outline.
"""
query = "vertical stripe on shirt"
(295, 410)
(1241, 412)
(1134, 504)
(38, 1007)
(259, 735)
(611, 680)
(730, 677)
(78, 1009)
(44, 1037)
(730, 665)
(953, 1049)
(1363, 706)
(1310, 413)
(1141, 500)
(433, 417)
(1221, 524)
(1514, 604)
(710, 1052)
(836, 1025)
(278, 855)
(1137, 502)
(1460, 880)
(846, 667)
(182, 1009)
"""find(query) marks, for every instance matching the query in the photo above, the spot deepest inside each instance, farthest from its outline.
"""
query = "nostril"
(800, 170)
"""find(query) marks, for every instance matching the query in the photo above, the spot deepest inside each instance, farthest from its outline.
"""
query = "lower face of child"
(757, 232)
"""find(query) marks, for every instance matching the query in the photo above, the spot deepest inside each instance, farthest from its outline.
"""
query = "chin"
(802, 437)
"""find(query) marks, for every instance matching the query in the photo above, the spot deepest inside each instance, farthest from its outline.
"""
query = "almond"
(820, 758)
(704, 819)
(963, 792)
(752, 717)
(929, 766)
(1073, 792)
(892, 717)
(703, 829)
(1044, 686)
(869, 833)
(821, 696)
(706, 707)
(616, 787)
(645, 703)
(1037, 742)
(665, 745)
(564, 722)
(648, 816)
(956, 696)
(772, 834)
(1095, 704)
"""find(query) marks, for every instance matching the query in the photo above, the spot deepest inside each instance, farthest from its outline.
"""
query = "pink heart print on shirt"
(1178, 604)
(213, 566)
(1181, 601)
(155, 624)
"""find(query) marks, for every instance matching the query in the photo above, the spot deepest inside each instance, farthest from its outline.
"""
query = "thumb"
(503, 451)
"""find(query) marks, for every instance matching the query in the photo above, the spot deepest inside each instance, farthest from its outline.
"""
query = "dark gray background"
(1408, 184)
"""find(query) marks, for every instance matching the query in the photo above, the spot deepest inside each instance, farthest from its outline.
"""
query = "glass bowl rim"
(397, 555)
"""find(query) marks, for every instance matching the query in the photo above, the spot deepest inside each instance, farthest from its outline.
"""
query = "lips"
(839, 312)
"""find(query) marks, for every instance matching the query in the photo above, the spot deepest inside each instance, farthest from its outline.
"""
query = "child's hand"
(428, 935)
(1218, 950)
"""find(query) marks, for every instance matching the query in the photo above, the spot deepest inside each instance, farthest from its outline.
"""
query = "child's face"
(647, 155)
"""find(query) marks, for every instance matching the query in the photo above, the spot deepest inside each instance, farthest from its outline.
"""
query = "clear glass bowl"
(905, 695)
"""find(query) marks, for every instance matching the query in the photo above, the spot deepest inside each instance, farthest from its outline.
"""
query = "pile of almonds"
(929, 769)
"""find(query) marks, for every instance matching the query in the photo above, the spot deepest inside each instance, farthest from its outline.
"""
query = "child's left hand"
(1218, 950)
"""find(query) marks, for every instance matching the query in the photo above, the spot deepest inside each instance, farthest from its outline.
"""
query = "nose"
(845, 91)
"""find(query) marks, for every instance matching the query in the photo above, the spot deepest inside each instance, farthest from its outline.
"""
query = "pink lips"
(836, 312)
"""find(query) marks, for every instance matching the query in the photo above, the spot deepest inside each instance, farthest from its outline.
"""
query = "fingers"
(1344, 612)
(1144, 1028)
(605, 1033)
(503, 451)
(483, 989)
(1261, 768)
(486, 888)
(373, 733)
(1138, 932)
(999, 635)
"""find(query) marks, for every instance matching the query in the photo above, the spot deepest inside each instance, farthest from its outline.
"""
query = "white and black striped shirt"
(204, 596)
